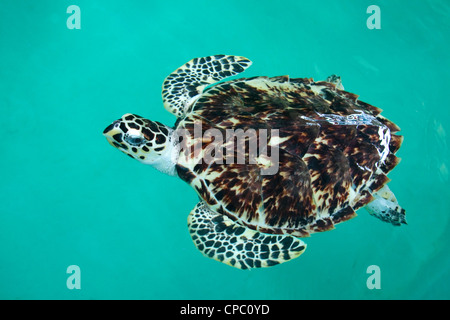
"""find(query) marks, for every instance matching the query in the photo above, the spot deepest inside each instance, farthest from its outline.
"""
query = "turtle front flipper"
(183, 86)
(221, 239)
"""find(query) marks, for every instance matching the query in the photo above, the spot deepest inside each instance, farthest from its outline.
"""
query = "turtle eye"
(134, 140)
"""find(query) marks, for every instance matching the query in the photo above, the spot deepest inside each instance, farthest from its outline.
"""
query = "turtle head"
(149, 142)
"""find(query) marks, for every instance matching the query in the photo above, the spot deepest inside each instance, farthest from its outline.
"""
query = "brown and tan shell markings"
(334, 152)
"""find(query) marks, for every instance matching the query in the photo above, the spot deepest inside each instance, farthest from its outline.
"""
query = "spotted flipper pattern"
(183, 86)
(386, 208)
(336, 80)
(219, 238)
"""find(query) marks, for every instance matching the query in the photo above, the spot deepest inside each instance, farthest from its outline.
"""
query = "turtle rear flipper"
(221, 239)
(186, 84)
(336, 80)
(386, 208)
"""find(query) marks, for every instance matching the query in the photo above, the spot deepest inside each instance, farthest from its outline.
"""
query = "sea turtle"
(332, 150)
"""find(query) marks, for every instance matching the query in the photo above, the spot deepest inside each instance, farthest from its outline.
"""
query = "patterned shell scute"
(334, 151)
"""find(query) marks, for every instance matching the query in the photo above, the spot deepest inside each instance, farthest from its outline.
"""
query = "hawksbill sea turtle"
(333, 154)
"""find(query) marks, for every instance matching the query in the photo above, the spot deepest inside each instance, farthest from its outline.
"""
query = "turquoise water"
(68, 198)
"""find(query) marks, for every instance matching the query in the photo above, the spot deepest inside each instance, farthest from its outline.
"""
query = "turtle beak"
(114, 135)
(111, 127)
(108, 129)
